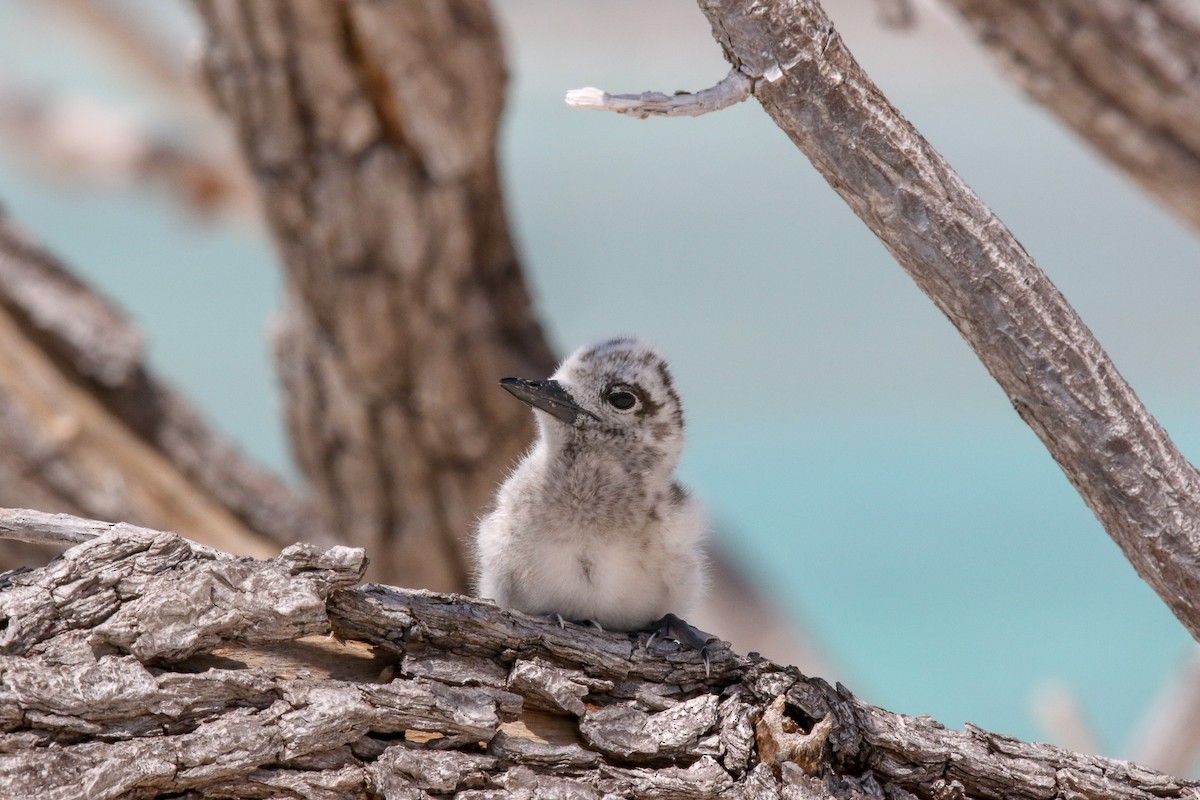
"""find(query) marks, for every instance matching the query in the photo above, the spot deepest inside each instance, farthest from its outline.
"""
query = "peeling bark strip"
(1057, 376)
(1124, 74)
(139, 665)
(370, 126)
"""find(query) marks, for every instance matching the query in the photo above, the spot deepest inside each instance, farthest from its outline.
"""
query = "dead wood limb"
(1124, 75)
(138, 665)
(150, 54)
(56, 530)
(1168, 736)
(82, 140)
(371, 128)
(959, 253)
(733, 88)
(87, 426)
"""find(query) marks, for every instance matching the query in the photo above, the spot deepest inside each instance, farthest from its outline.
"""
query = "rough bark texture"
(86, 427)
(1124, 74)
(371, 128)
(141, 666)
(1059, 379)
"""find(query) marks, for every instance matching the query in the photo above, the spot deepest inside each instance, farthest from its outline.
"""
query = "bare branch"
(84, 417)
(732, 89)
(1061, 715)
(155, 61)
(56, 530)
(1034, 344)
(84, 140)
(1124, 75)
(1168, 737)
(160, 669)
(898, 14)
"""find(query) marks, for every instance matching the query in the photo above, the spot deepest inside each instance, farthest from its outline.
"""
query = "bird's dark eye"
(621, 399)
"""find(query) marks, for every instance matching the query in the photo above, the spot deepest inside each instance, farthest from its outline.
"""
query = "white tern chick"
(592, 525)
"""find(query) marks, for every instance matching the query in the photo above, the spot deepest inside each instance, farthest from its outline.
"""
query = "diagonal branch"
(153, 57)
(213, 675)
(1123, 74)
(83, 140)
(371, 128)
(1057, 376)
(89, 425)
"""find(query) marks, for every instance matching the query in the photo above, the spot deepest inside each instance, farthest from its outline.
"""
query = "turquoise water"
(855, 451)
(947, 566)
(850, 446)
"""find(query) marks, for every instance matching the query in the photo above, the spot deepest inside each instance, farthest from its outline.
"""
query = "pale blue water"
(859, 457)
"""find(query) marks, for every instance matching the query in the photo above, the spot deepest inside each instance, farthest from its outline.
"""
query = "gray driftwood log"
(140, 665)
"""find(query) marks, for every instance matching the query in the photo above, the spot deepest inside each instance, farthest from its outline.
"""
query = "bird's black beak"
(549, 396)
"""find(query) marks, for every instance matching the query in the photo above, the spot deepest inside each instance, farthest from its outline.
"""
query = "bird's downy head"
(613, 394)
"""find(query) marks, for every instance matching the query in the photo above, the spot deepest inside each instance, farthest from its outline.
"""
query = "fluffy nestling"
(592, 524)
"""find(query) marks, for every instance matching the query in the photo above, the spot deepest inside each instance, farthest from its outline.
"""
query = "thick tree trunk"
(86, 427)
(371, 128)
(1059, 379)
(1124, 74)
(162, 669)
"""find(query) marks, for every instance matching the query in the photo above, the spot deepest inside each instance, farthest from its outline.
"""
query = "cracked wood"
(140, 665)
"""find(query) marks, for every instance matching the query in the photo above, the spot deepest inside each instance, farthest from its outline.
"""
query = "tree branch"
(1168, 737)
(898, 14)
(154, 58)
(732, 89)
(56, 530)
(1057, 376)
(140, 665)
(88, 424)
(1125, 75)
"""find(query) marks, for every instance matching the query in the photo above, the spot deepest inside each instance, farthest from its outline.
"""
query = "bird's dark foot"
(672, 627)
(585, 623)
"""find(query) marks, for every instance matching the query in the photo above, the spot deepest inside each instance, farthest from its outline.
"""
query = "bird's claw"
(672, 627)
(586, 623)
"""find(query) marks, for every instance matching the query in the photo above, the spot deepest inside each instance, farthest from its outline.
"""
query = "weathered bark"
(141, 666)
(1124, 74)
(1059, 379)
(61, 450)
(371, 128)
(86, 427)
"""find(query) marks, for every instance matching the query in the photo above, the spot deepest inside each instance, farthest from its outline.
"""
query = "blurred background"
(856, 457)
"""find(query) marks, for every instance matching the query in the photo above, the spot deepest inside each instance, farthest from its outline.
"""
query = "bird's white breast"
(541, 562)
(591, 524)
